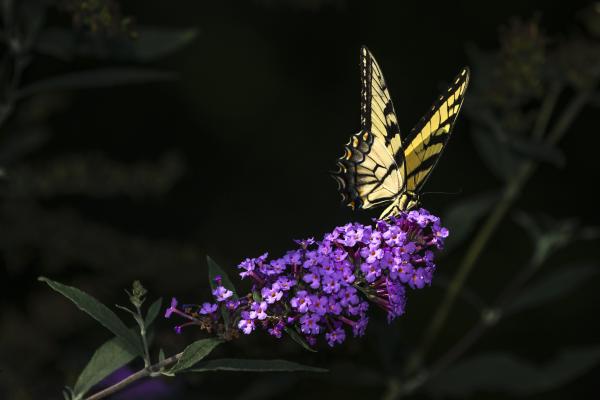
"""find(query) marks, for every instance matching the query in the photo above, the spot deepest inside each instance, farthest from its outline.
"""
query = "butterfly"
(379, 167)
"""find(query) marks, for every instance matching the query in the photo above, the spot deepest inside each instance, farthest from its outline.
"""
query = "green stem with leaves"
(489, 318)
(509, 196)
(19, 58)
(143, 334)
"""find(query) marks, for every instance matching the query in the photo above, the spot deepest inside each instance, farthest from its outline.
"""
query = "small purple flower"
(371, 271)
(348, 276)
(361, 326)
(418, 279)
(371, 254)
(309, 324)
(327, 265)
(420, 217)
(306, 242)
(406, 248)
(325, 248)
(339, 255)
(331, 237)
(352, 236)
(278, 266)
(301, 302)
(232, 305)
(312, 259)
(331, 284)
(277, 330)
(284, 283)
(334, 308)
(336, 336)
(271, 295)
(312, 279)
(405, 272)
(348, 296)
(221, 293)
(207, 308)
(172, 308)
(394, 236)
(246, 324)
(318, 305)
(248, 266)
(293, 257)
(375, 239)
(259, 310)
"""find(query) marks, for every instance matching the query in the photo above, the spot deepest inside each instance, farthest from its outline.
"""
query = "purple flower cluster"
(324, 287)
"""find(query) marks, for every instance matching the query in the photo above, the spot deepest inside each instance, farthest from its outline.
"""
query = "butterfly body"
(379, 167)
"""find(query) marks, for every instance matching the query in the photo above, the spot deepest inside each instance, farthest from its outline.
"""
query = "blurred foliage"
(99, 16)
(42, 231)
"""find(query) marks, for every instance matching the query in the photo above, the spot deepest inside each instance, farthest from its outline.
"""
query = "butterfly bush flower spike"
(323, 289)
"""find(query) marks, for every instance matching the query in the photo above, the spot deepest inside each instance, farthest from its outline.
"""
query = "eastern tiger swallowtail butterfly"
(380, 168)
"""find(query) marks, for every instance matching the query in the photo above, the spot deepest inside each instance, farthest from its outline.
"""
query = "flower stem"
(487, 320)
(145, 372)
(509, 195)
(140, 321)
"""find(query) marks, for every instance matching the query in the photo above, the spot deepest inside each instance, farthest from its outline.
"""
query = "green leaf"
(548, 234)
(495, 152)
(127, 310)
(109, 357)
(102, 77)
(537, 151)
(152, 313)
(150, 44)
(460, 218)
(153, 43)
(551, 287)
(501, 372)
(194, 353)
(296, 337)
(215, 270)
(67, 393)
(232, 364)
(100, 313)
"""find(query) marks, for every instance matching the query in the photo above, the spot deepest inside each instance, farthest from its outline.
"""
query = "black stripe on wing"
(429, 137)
(358, 170)
(376, 105)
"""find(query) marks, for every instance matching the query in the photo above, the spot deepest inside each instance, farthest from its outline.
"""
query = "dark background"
(265, 97)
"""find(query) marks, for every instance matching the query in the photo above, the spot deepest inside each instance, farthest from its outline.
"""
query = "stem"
(477, 331)
(541, 123)
(466, 266)
(20, 61)
(147, 371)
(140, 321)
(509, 195)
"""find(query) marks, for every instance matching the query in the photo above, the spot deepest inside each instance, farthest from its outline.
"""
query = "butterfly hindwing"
(428, 138)
(370, 170)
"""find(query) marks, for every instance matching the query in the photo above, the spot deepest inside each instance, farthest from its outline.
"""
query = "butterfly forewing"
(428, 138)
(370, 170)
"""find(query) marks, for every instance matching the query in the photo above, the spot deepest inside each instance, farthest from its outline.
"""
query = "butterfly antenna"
(448, 193)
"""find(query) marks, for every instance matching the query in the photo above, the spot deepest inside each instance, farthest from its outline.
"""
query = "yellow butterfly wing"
(429, 137)
(371, 171)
